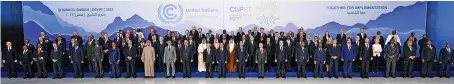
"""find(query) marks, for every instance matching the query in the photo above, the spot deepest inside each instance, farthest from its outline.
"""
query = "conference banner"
(86, 18)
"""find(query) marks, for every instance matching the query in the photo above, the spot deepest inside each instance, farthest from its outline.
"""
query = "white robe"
(389, 39)
(201, 64)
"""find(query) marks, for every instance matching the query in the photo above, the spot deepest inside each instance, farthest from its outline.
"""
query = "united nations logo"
(170, 13)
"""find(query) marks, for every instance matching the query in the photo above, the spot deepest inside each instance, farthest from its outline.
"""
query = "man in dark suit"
(77, 37)
(409, 57)
(76, 55)
(30, 46)
(341, 37)
(269, 47)
(261, 59)
(209, 54)
(106, 44)
(428, 57)
(365, 56)
(348, 55)
(392, 54)
(114, 60)
(281, 59)
(97, 59)
(290, 45)
(334, 52)
(301, 34)
(221, 55)
(251, 47)
(302, 57)
(61, 43)
(445, 59)
(361, 35)
(130, 53)
(40, 58)
(26, 60)
(118, 39)
(9, 57)
(186, 59)
(319, 60)
(168, 36)
(242, 58)
(88, 51)
(199, 36)
(160, 51)
(56, 56)
(209, 37)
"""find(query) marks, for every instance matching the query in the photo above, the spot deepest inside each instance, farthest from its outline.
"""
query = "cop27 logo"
(170, 13)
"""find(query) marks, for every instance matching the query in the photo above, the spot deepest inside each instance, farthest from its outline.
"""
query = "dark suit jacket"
(98, 53)
(366, 53)
(334, 51)
(210, 38)
(362, 37)
(298, 36)
(130, 51)
(160, 48)
(114, 55)
(348, 54)
(61, 46)
(320, 55)
(26, 57)
(9, 56)
(261, 57)
(79, 39)
(445, 56)
(43, 53)
(186, 53)
(118, 40)
(429, 54)
(56, 54)
(281, 55)
(31, 47)
(199, 39)
(302, 55)
(341, 39)
(76, 54)
(106, 45)
(290, 48)
(408, 52)
(241, 54)
(221, 55)
(207, 58)
(88, 49)
(251, 48)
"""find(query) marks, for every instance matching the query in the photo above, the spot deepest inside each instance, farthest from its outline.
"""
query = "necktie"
(39, 51)
(261, 51)
(208, 51)
(449, 50)
(367, 47)
(349, 47)
(24, 51)
(9, 49)
(410, 48)
(302, 49)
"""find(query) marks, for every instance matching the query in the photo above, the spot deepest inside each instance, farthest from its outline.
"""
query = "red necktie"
(261, 51)
(39, 51)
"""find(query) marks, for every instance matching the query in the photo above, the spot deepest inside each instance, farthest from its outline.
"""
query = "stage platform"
(229, 75)
(374, 80)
